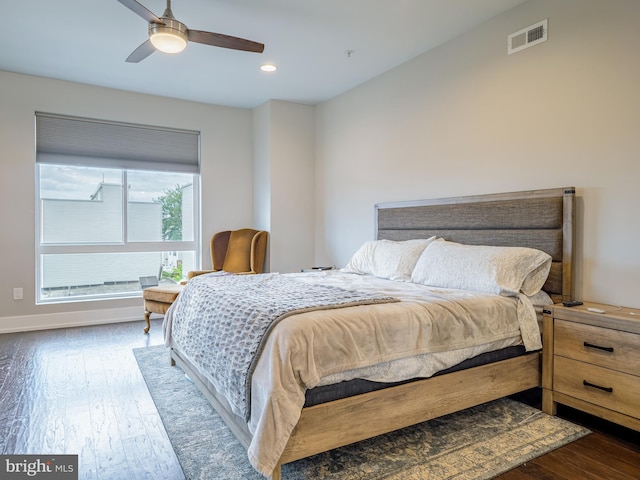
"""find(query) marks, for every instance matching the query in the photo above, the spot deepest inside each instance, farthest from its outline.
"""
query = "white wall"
(262, 174)
(284, 182)
(462, 119)
(466, 118)
(226, 155)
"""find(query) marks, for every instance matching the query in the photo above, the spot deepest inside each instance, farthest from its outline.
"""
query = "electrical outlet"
(17, 293)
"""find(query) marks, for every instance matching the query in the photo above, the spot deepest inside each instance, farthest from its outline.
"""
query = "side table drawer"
(601, 386)
(600, 346)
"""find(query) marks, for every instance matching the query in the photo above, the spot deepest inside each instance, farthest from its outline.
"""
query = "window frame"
(124, 246)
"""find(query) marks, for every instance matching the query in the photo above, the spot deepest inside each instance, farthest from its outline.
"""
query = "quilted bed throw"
(221, 323)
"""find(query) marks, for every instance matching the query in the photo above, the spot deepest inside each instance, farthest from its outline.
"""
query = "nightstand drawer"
(601, 346)
(601, 386)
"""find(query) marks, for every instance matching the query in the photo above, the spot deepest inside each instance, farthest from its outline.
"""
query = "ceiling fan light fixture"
(268, 67)
(168, 38)
(171, 36)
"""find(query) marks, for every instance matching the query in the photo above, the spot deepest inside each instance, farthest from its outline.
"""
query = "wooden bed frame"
(542, 219)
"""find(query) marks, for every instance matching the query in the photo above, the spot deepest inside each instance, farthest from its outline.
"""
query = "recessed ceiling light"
(268, 67)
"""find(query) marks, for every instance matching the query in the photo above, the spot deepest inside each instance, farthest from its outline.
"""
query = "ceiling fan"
(171, 36)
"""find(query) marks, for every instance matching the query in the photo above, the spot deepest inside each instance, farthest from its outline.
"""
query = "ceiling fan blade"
(142, 52)
(225, 41)
(141, 10)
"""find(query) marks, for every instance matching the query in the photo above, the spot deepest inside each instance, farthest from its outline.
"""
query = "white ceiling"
(88, 41)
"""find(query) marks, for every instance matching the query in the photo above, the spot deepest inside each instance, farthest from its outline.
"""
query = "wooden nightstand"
(591, 361)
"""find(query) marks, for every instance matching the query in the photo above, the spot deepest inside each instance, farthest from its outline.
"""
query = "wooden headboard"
(542, 219)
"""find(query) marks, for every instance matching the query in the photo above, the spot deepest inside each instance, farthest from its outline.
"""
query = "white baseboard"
(25, 323)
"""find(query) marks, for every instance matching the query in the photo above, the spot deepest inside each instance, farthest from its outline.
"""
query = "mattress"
(357, 386)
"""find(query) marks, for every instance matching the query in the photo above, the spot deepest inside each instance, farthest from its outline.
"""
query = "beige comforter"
(429, 330)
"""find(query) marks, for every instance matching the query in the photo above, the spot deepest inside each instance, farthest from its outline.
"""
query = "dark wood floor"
(611, 452)
(79, 391)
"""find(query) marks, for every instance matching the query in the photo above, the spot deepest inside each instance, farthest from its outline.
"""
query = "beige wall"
(466, 118)
(226, 153)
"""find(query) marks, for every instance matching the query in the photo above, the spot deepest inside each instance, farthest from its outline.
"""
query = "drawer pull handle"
(591, 345)
(588, 384)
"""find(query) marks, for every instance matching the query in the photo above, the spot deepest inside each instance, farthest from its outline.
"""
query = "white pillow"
(541, 299)
(388, 258)
(502, 270)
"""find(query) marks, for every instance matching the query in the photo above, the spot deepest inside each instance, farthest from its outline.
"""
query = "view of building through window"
(98, 238)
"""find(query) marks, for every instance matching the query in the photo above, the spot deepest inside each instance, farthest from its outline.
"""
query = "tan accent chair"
(237, 251)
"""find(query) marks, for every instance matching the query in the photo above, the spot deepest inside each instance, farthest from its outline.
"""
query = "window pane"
(160, 207)
(109, 274)
(80, 205)
(84, 252)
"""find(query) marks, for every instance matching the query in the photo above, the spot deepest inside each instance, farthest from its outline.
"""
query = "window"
(107, 217)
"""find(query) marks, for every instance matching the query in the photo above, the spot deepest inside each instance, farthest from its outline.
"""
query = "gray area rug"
(477, 443)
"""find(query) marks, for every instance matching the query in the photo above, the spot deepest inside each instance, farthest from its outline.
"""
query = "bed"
(542, 220)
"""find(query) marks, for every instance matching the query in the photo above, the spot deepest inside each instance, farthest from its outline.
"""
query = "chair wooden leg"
(146, 317)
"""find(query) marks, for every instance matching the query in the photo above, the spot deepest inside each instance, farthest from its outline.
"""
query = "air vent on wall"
(527, 37)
